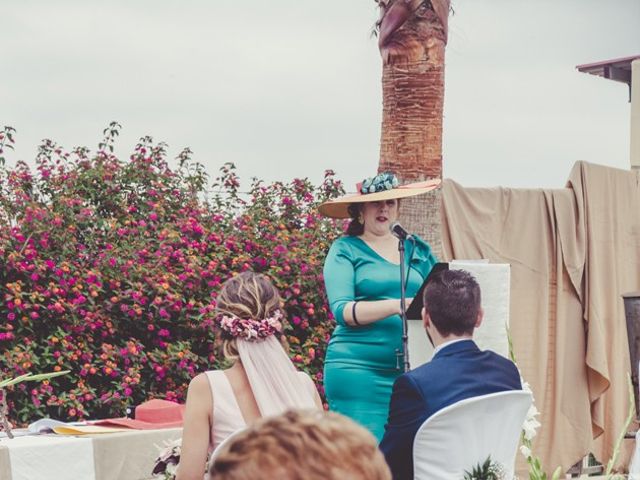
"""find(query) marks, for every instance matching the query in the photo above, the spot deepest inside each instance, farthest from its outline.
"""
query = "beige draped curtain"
(573, 253)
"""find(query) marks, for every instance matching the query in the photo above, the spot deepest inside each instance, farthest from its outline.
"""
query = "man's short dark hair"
(452, 300)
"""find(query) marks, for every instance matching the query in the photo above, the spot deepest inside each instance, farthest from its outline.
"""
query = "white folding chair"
(223, 444)
(464, 434)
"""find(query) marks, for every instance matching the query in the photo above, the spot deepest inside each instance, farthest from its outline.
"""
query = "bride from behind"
(261, 382)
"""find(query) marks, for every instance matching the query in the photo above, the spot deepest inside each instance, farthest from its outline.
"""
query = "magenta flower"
(124, 273)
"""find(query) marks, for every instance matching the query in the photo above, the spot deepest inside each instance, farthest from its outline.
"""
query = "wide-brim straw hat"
(339, 207)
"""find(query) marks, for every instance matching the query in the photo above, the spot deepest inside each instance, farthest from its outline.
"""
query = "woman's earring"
(360, 219)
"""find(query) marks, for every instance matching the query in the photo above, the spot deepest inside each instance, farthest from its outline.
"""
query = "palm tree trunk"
(413, 35)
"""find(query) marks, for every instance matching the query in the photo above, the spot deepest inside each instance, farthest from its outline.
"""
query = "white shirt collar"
(450, 342)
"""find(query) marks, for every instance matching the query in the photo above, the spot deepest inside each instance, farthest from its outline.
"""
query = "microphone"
(399, 232)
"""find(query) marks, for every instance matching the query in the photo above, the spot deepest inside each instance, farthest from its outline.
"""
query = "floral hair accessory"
(250, 329)
(379, 183)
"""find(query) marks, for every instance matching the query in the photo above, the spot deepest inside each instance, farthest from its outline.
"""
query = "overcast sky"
(289, 88)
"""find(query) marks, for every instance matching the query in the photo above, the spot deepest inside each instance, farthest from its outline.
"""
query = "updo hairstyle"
(248, 295)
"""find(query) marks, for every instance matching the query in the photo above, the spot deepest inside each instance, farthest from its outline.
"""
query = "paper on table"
(87, 430)
(45, 425)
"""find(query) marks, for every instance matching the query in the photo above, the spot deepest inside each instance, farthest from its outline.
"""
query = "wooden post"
(635, 114)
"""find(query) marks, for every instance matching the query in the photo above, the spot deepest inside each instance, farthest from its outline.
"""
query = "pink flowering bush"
(110, 269)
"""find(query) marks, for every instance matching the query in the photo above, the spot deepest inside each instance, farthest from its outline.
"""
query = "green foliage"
(30, 377)
(110, 269)
(6, 141)
(630, 416)
(536, 472)
(489, 470)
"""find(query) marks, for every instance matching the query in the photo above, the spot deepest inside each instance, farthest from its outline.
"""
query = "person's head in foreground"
(451, 306)
(302, 445)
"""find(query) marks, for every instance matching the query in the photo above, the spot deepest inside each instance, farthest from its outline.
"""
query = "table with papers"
(124, 455)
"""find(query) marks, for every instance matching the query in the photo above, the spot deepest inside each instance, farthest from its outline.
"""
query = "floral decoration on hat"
(379, 183)
(382, 187)
(250, 329)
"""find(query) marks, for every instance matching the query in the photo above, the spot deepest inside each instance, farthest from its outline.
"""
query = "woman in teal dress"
(362, 279)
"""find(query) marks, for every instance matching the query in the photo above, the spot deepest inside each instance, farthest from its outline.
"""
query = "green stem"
(4, 412)
(632, 411)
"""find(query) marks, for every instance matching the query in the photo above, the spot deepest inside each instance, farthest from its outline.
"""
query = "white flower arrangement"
(531, 423)
(166, 465)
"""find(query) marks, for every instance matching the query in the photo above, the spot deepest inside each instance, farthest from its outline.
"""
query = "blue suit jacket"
(458, 371)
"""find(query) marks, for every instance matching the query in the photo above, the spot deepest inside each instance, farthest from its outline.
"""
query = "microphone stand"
(403, 312)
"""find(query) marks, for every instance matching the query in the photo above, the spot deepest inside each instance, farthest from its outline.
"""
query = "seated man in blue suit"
(458, 370)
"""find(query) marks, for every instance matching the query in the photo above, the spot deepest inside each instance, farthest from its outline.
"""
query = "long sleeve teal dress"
(361, 362)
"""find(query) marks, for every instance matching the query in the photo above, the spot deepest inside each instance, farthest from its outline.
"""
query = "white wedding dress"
(276, 385)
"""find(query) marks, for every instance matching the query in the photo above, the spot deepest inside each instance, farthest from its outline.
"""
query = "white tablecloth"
(113, 456)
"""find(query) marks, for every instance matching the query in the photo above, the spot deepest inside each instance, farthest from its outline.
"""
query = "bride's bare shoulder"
(199, 384)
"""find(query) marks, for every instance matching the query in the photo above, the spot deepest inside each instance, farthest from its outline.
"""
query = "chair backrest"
(216, 451)
(464, 434)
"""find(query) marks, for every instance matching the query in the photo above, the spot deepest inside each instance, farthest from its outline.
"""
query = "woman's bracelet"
(353, 314)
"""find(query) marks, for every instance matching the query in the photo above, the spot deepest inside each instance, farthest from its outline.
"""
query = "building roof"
(618, 69)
